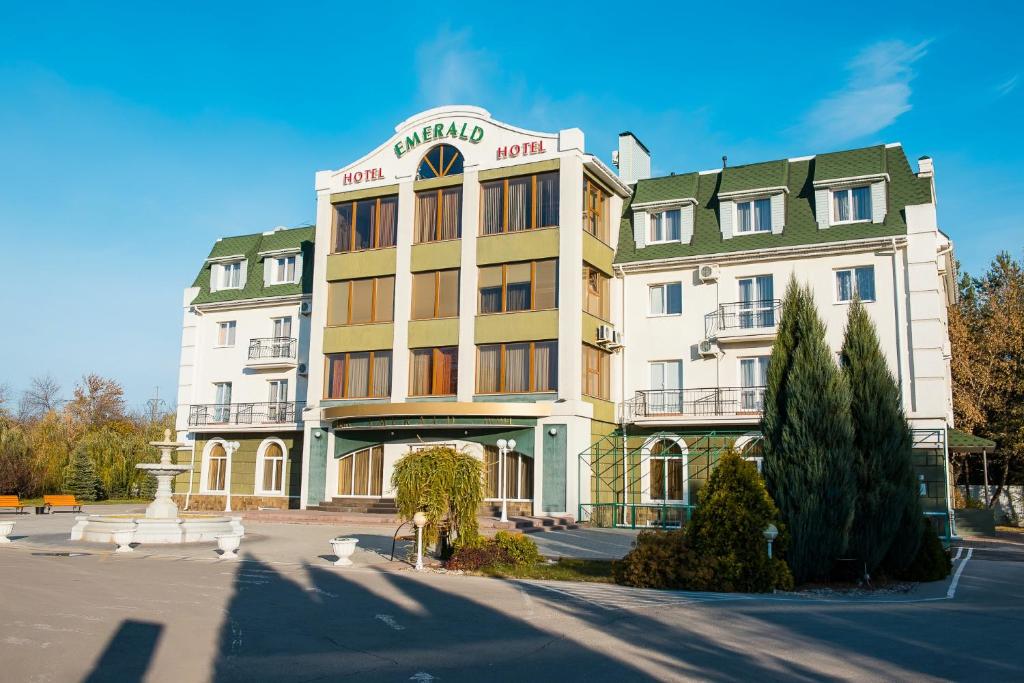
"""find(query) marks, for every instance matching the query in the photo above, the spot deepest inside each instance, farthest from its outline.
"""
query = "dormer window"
(282, 270)
(852, 204)
(231, 275)
(754, 216)
(666, 226)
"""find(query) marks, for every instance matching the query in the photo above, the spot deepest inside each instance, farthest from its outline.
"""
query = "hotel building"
(474, 282)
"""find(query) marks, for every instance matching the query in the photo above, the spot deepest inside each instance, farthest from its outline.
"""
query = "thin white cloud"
(877, 92)
(449, 70)
(1008, 86)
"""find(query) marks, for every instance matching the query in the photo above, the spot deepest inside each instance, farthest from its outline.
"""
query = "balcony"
(742, 321)
(229, 415)
(273, 352)
(739, 405)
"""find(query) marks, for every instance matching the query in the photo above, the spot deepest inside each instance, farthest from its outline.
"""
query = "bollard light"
(770, 533)
(420, 520)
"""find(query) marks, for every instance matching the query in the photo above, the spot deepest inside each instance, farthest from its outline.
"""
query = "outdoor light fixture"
(420, 520)
(553, 432)
(317, 434)
(504, 446)
(770, 532)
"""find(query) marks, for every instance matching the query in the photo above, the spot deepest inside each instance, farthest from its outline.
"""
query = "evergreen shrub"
(931, 563)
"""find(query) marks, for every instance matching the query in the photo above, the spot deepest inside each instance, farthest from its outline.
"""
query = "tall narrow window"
(273, 469)
(757, 302)
(595, 292)
(596, 373)
(435, 294)
(216, 469)
(526, 286)
(595, 210)
(365, 224)
(365, 374)
(520, 203)
(753, 378)
(222, 408)
(434, 372)
(438, 215)
(517, 368)
(354, 302)
(666, 471)
(665, 394)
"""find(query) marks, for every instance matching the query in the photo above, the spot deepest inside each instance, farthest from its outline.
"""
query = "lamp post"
(419, 519)
(230, 447)
(770, 532)
(503, 448)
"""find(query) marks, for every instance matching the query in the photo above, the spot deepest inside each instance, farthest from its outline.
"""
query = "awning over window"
(962, 442)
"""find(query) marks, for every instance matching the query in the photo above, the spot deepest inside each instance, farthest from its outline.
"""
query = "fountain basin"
(183, 529)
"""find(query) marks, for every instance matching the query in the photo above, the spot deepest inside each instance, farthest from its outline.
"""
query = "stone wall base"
(209, 503)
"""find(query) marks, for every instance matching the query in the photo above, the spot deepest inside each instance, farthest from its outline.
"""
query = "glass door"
(277, 409)
(753, 377)
(757, 302)
(222, 409)
(665, 396)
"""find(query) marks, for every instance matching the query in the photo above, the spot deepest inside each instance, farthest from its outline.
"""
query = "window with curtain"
(364, 374)
(230, 275)
(354, 302)
(438, 215)
(435, 294)
(361, 473)
(666, 470)
(525, 286)
(754, 216)
(282, 270)
(520, 203)
(757, 301)
(434, 372)
(753, 378)
(851, 204)
(595, 210)
(855, 282)
(365, 224)
(666, 298)
(216, 468)
(273, 468)
(521, 367)
(666, 226)
(226, 333)
(595, 292)
(518, 475)
(596, 373)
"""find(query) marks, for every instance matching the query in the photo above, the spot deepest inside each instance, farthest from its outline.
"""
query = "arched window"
(361, 473)
(271, 467)
(440, 161)
(216, 467)
(751, 447)
(667, 469)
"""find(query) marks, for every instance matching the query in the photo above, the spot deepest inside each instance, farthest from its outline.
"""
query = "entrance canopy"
(962, 442)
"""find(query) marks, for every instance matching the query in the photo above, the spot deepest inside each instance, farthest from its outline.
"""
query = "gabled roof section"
(251, 246)
(666, 189)
(798, 177)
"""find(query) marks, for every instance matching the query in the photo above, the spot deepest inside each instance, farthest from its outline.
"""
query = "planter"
(123, 539)
(5, 530)
(343, 549)
(228, 543)
(975, 522)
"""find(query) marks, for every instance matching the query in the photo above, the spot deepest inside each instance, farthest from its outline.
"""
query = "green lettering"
(453, 132)
(473, 137)
(398, 149)
(426, 133)
(411, 142)
(462, 133)
(438, 131)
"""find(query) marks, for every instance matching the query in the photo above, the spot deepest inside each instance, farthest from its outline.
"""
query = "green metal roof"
(250, 246)
(968, 443)
(798, 176)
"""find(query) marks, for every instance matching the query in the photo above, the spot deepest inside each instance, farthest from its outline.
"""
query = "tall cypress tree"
(808, 439)
(886, 491)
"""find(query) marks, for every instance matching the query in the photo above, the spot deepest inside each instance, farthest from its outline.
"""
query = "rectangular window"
(517, 368)
(435, 294)
(851, 204)
(595, 292)
(231, 275)
(439, 215)
(753, 378)
(434, 372)
(665, 394)
(666, 226)
(525, 286)
(855, 282)
(517, 204)
(226, 333)
(596, 373)
(222, 409)
(282, 270)
(667, 298)
(595, 210)
(282, 327)
(365, 374)
(355, 302)
(754, 216)
(757, 302)
(365, 224)
(518, 475)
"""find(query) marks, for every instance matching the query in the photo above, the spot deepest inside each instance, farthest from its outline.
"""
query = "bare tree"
(42, 396)
(97, 400)
(5, 396)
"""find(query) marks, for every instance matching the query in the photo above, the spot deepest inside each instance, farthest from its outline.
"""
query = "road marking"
(390, 621)
(959, 570)
(318, 591)
(959, 552)
(422, 676)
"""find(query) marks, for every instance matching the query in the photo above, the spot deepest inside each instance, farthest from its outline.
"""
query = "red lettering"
(502, 153)
(358, 177)
(540, 147)
(513, 151)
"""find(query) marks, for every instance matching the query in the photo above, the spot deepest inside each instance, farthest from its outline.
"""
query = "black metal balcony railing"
(275, 412)
(272, 347)
(708, 402)
(741, 315)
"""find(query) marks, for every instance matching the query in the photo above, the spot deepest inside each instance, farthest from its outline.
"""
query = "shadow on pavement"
(128, 654)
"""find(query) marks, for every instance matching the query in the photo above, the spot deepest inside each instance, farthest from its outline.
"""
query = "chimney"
(926, 169)
(634, 159)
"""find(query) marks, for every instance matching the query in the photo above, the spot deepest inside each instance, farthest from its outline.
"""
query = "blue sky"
(133, 135)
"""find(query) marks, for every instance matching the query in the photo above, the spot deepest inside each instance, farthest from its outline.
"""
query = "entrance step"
(370, 506)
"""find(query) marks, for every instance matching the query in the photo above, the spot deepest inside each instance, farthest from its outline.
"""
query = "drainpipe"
(191, 474)
(896, 314)
(622, 394)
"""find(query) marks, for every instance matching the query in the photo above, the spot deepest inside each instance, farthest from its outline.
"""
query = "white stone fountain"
(162, 523)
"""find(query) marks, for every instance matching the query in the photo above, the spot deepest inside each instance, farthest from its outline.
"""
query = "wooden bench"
(62, 500)
(12, 502)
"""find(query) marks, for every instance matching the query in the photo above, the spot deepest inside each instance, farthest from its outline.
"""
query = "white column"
(570, 277)
(403, 291)
(468, 285)
(229, 448)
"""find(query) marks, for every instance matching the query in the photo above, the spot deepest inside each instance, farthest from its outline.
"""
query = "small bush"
(658, 559)
(505, 549)
(519, 547)
(932, 561)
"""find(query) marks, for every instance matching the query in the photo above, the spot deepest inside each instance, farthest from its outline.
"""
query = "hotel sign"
(439, 131)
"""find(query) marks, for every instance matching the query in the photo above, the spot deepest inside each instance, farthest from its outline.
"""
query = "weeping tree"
(808, 436)
(447, 485)
(887, 499)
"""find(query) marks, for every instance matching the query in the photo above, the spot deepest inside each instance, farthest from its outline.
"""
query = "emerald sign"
(439, 131)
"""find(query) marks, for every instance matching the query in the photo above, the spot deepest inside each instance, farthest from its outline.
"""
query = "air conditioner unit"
(605, 334)
(706, 347)
(305, 308)
(616, 338)
(708, 272)
(303, 369)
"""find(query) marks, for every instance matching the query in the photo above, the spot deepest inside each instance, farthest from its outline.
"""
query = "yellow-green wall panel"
(434, 183)
(436, 255)
(597, 253)
(519, 169)
(382, 191)
(369, 263)
(604, 412)
(513, 327)
(517, 246)
(442, 332)
(590, 325)
(359, 338)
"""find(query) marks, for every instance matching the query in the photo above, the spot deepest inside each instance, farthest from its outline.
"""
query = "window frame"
(440, 212)
(647, 474)
(231, 325)
(753, 215)
(371, 452)
(373, 301)
(519, 458)
(505, 203)
(602, 371)
(354, 203)
(756, 391)
(848, 190)
(222, 274)
(600, 215)
(345, 374)
(261, 464)
(435, 352)
(206, 464)
(437, 293)
(282, 262)
(664, 299)
(504, 287)
(603, 294)
(854, 286)
(656, 215)
(501, 368)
